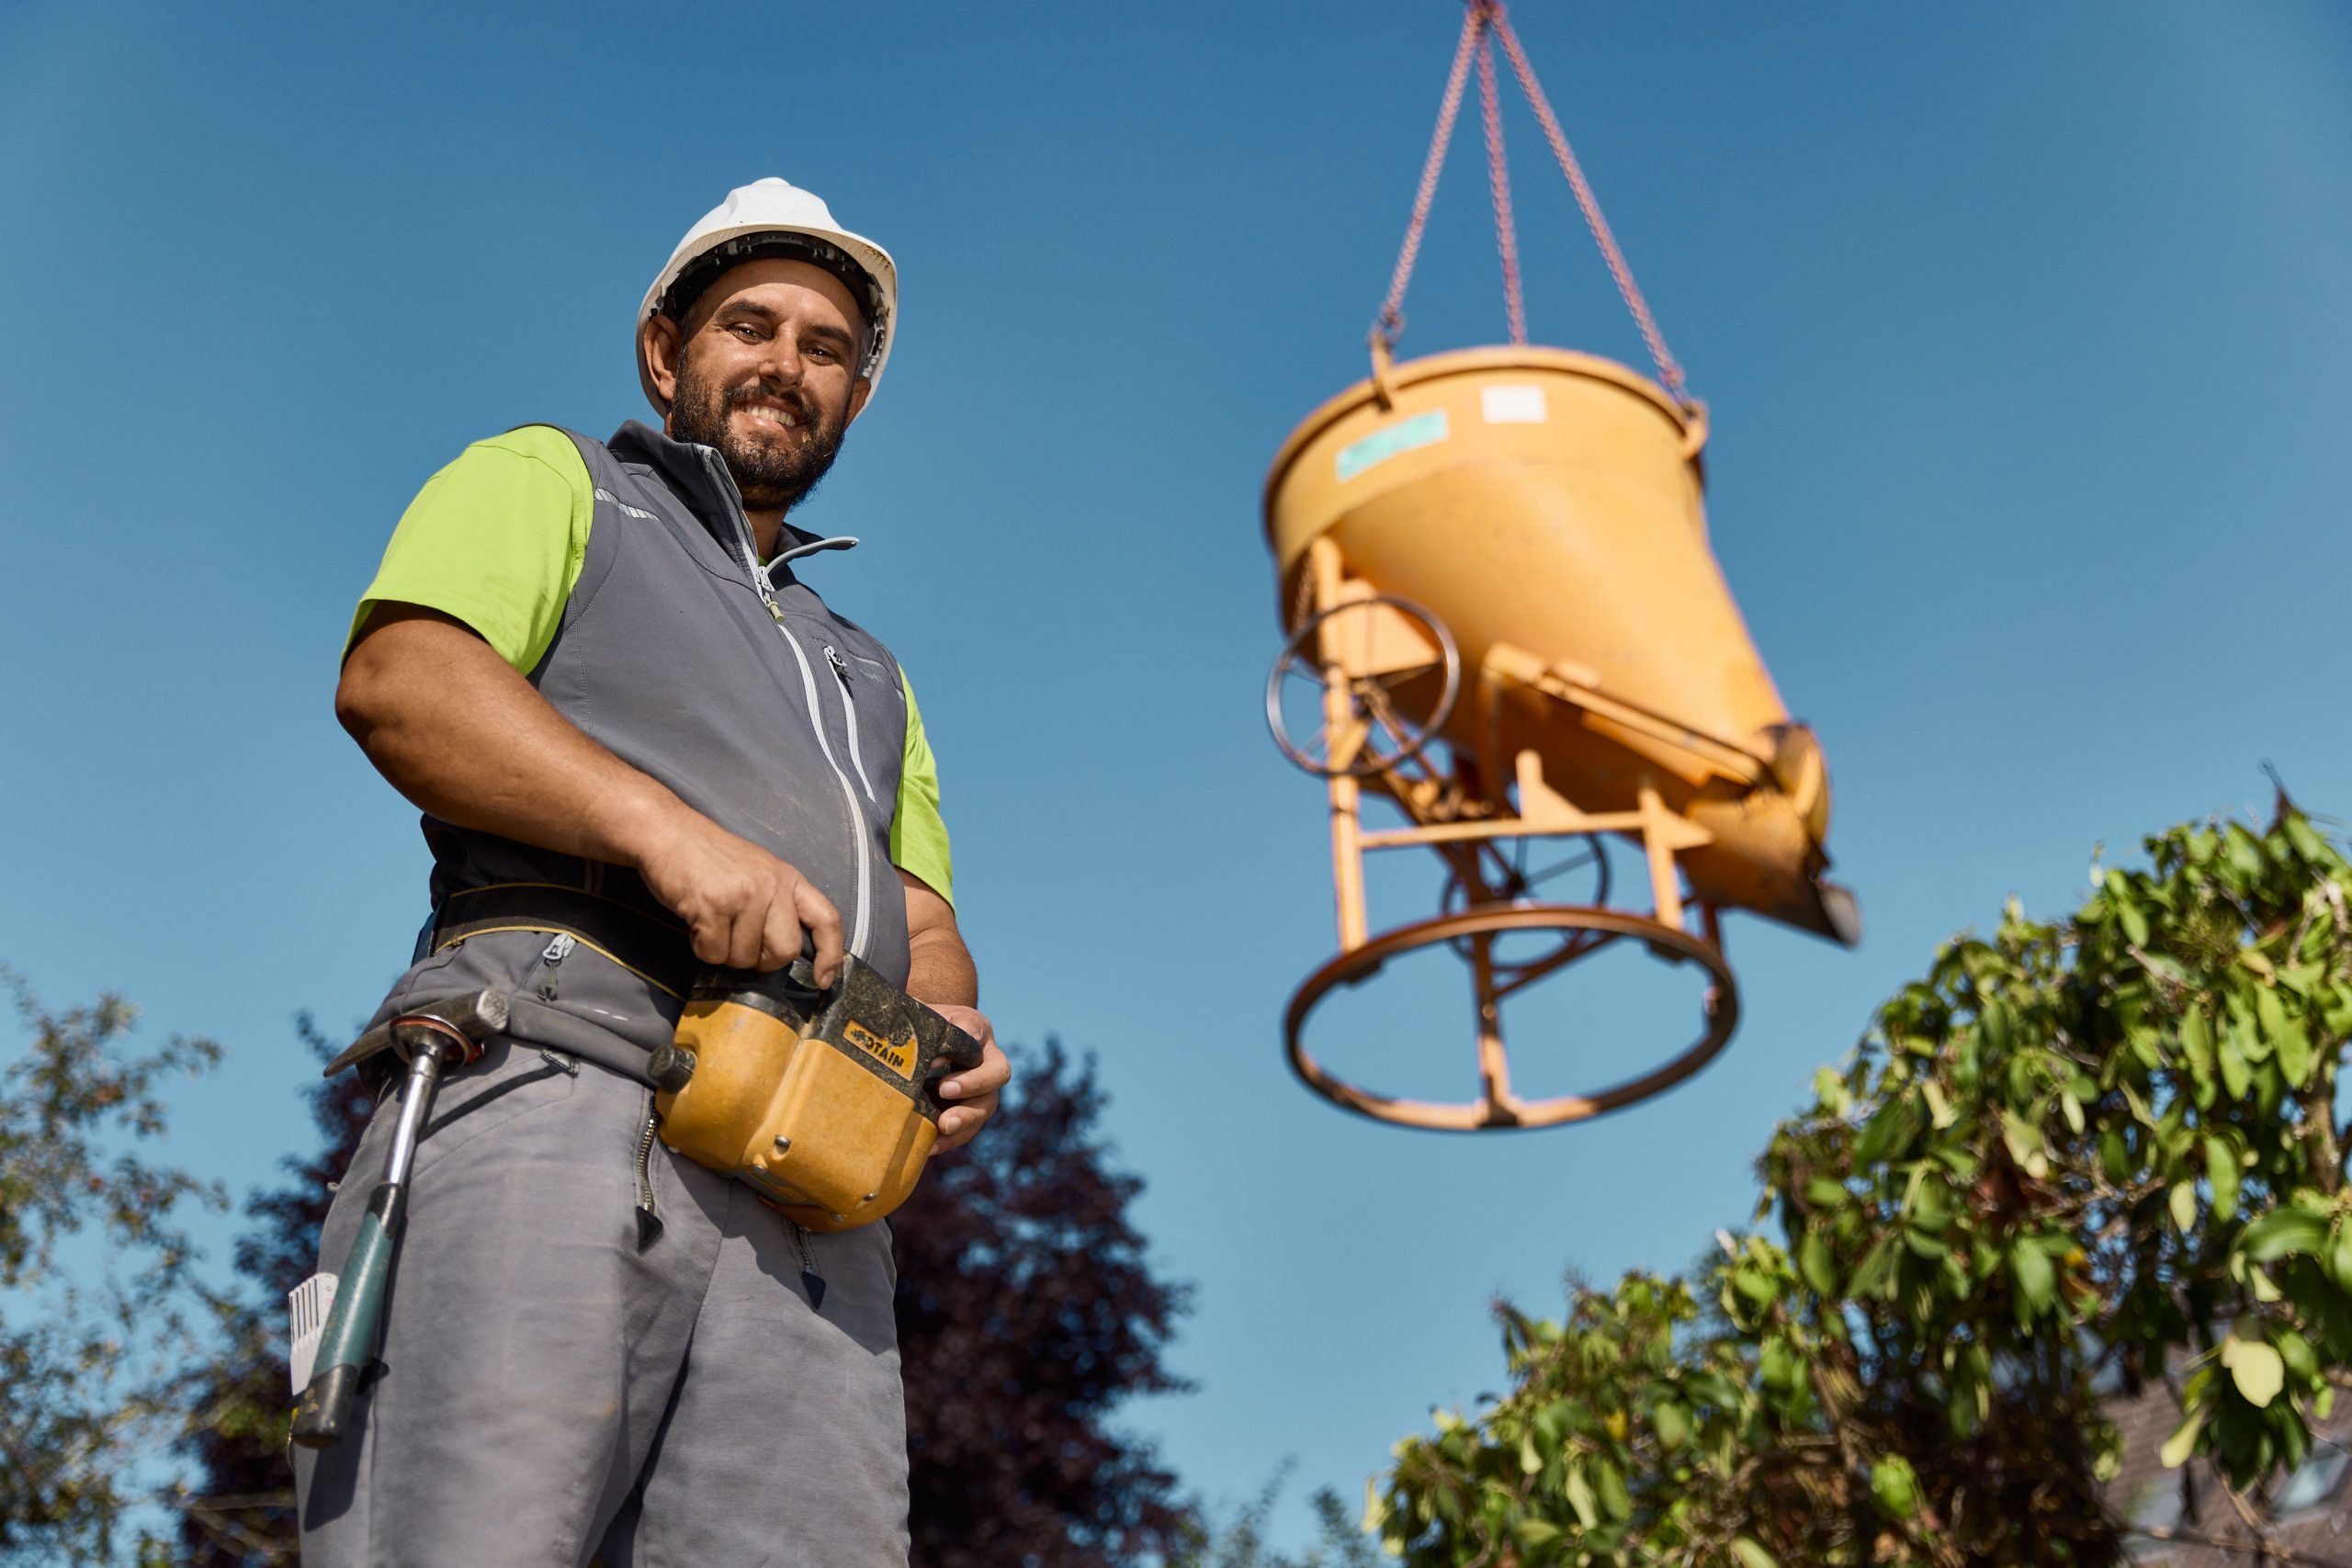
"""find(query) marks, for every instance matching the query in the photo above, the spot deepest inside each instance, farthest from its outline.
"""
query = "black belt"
(653, 947)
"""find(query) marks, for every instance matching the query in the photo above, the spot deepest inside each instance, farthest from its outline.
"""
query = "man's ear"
(658, 341)
(859, 390)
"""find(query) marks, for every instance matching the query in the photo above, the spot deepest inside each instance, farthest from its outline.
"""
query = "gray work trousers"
(560, 1382)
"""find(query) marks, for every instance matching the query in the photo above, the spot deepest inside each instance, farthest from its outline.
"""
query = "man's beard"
(772, 474)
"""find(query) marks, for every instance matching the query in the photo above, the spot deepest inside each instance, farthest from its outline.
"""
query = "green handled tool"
(430, 1038)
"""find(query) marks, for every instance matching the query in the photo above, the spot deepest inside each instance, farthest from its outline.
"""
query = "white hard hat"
(770, 217)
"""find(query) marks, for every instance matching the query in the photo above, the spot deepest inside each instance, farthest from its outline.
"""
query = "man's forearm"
(940, 970)
(452, 726)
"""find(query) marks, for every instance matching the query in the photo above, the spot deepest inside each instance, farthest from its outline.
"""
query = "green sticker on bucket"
(1421, 430)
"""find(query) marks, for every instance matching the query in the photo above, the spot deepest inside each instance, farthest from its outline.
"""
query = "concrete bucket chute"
(1499, 592)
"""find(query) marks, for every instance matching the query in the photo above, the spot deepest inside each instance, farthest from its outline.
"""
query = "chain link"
(1498, 181)
(1481, 26)
(1628, 290)
(1390, 325)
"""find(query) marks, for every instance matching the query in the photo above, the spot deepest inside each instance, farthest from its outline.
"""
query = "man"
(640, 743)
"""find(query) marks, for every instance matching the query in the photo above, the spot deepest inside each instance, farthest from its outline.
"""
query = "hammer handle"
(322, 1412)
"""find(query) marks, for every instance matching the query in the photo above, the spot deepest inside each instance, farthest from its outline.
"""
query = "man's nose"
(782, 362)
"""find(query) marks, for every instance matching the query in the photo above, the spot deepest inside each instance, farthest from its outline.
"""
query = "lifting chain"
(1484, 24)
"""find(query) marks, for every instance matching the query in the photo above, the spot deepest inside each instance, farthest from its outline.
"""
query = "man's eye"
(745, 332)
(823, 351)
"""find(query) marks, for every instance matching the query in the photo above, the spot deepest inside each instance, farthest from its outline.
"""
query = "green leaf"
(1871, 1273)
(1751, 1555)
(2294, 1051)
(2197, 1040)
(1824, 1193)
(2256, 1368)
(2242, 852)
(1615, 1500)
(1581, 1497)
(2183, 1202)
(1531, 1532)
(2269, 1012)
(2114, 1156)
(1895, 1485)
(1887, 1131)
(2339, 1255)
(1812, 1262)
(2231, 1058)
(1753, 1283)
(2221, 1171)
(2307, 843)
(2127, 909)
(2036, 1283)
(2183, 1441)
(2282, 1232)
(1671, 1421)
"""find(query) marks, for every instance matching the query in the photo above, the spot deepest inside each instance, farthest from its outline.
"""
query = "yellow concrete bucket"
(1496, 576)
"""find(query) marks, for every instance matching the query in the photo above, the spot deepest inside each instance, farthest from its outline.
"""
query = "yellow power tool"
(826, 1101)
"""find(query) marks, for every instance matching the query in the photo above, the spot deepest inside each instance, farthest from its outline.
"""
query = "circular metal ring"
(1412, 736)
(1454, 899)
(1721, 1008)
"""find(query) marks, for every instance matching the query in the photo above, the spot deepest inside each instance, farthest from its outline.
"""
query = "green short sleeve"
(917, 833)
(495, 539)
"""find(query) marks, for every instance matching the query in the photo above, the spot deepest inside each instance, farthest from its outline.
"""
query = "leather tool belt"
(654, 947)
(825, 1101)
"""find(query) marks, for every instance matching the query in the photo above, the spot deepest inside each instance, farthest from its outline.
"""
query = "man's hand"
(976, 1088)
(453, 728)
(744, 907)
(940, 973)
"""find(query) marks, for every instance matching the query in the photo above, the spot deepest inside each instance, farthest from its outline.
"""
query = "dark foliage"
(1027, 1313)
(242, 1509)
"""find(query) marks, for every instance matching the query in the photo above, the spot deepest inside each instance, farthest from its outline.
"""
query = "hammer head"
(464, 1021)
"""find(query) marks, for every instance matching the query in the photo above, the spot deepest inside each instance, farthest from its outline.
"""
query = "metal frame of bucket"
(1368, 652)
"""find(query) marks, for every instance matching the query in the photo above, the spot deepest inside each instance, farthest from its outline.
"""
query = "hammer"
(429, 1037)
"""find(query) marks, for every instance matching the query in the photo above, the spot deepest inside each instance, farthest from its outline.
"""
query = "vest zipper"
(848, 702)
(861, 921)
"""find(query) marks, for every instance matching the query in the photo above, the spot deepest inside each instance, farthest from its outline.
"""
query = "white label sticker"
(1512, 405)
(307, 1306)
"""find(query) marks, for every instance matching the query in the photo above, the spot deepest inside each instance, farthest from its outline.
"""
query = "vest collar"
(714, 502)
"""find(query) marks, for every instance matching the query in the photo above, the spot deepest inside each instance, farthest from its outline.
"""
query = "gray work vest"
(735, 687)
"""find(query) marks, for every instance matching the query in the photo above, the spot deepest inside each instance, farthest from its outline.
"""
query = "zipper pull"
(840, 668)
(554, 954)
(810, 1281)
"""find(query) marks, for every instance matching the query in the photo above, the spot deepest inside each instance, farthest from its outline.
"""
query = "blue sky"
(2026, 332)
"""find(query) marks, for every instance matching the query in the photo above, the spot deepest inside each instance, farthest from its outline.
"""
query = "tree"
(1240, 1541)
(1027, 1313)
(2092, 1151)
(242, 1516)
(99, 1307)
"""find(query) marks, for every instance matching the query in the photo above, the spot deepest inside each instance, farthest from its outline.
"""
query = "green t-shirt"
(496, 540)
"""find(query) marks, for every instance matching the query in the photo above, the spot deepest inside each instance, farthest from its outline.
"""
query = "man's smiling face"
(765, 372)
